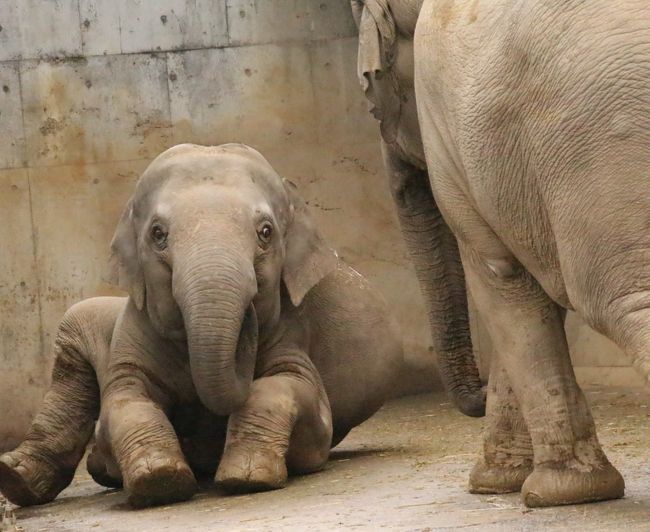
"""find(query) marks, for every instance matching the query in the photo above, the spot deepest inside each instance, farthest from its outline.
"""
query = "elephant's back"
(533, 88)
(544, 109)
(354, 343)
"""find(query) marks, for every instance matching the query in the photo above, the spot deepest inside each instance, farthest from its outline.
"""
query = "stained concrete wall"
(91, 90)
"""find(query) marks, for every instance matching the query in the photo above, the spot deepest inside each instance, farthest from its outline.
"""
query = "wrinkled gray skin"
(386, 71)
(535, 121)
(229, 281)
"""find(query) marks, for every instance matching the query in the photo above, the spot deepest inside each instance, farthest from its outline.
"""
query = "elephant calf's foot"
(158, 478)
(249, 470)
(26, 480)
(98, 469)
(552, 487)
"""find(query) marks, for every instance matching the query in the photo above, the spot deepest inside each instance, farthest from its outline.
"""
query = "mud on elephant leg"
(507, 449)
(144, 444)
(44, 464)
(286, 424)
(435, 256)
(526, 326)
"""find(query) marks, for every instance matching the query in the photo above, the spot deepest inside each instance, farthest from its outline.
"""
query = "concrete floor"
(405, 469)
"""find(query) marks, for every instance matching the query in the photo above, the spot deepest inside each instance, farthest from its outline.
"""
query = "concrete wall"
(91, 90)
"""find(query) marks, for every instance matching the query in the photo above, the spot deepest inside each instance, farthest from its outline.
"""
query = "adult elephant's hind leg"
(507, 457)
(434, 253)
(285, 425)
(527, 329)
(45, 463)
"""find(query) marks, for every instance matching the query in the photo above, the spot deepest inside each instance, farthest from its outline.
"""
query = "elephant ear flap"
(308, 258)
(124, 268)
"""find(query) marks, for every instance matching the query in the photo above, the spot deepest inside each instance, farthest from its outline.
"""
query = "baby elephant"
(237, 308)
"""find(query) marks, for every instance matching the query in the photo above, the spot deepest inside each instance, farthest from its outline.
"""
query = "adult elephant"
(229, 281)
(386, 73)
(535, 120)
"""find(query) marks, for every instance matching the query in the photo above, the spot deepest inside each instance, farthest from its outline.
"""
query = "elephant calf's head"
(203, 247)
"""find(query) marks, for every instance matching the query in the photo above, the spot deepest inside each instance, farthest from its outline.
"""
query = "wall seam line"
(41, 330)
(79, 26)
(72, 58)
(170, 123)
(35, 257)
(31, 212)
(226, 7)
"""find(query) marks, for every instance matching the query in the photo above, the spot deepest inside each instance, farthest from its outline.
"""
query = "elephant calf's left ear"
(124, 269)
(308, 258)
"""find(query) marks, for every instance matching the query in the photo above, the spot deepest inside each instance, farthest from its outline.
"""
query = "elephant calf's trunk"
(221, 326)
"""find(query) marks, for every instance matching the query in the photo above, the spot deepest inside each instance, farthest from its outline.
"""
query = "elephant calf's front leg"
(143, 442)
(285, 425)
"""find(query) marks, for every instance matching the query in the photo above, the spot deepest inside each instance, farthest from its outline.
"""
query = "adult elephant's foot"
(498, 477)
(553, 487)
(26, 480)
(98, 468)
(157, 478)
(249, 470)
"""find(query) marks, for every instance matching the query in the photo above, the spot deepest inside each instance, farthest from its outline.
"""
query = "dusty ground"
(406, 469)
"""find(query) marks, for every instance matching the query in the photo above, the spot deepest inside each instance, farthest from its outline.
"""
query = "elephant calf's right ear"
(124, 269)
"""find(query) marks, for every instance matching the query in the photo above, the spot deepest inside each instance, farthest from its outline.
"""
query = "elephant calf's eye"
(265, 232)
(159, 235)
